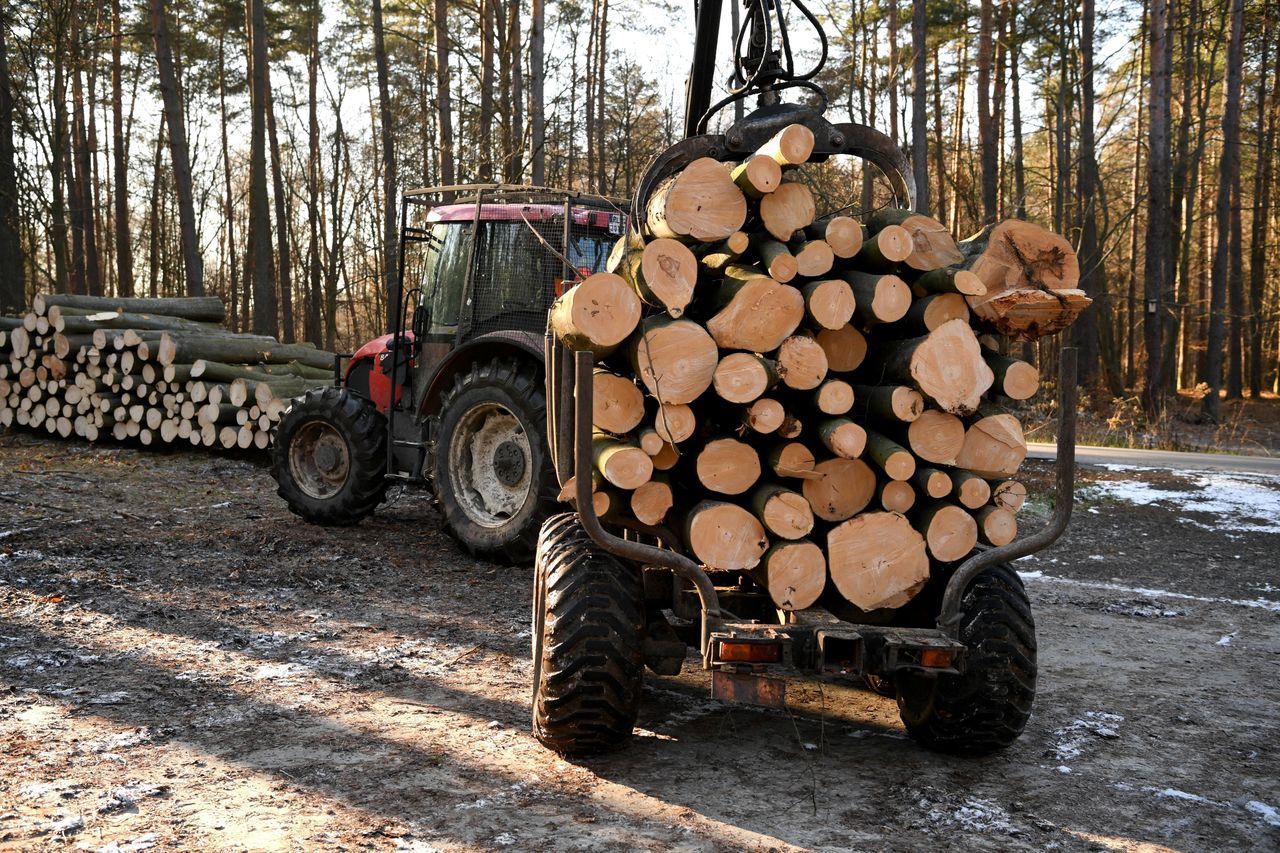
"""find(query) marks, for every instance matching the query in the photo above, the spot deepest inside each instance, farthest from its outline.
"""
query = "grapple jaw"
(744, 137)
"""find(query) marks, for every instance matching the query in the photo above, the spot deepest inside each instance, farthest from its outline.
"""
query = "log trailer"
(615, 595)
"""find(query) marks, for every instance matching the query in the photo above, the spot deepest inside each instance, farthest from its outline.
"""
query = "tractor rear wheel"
(985, 708)
(588, 655)
(330, 457)
(490, 467)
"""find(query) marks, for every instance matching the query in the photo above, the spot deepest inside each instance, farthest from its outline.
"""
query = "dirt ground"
(185, 666)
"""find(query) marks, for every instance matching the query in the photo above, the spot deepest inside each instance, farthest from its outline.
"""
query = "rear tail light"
(737, 651)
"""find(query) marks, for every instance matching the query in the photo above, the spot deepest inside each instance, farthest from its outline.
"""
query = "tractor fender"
(368, 370)
(519, 344)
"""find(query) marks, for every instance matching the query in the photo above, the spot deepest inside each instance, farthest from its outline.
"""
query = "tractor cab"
(452, 396)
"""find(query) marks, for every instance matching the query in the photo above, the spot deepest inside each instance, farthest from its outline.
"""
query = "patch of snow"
(64, 788)
(1070, 740)
(142, 842)
(1269, 815)
(5, 534)
(1226, 639)
(115, 697)
(1258, 603)
(279, 670)
(120, 740)
(967, 813)
(21, 556)
(1062, 768)
(71, 823)
(1175, 794)
(1248, 503)
(506, 839)
(476, 804)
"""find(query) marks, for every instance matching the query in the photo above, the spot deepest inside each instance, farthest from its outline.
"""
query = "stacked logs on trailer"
(155, 370)
(817, 402)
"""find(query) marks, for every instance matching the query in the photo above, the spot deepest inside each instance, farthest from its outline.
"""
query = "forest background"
(255, 151)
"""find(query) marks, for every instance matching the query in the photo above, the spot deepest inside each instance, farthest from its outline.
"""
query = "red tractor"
(454, 399)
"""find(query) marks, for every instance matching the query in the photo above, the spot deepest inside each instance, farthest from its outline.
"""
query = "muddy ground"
(185, 666)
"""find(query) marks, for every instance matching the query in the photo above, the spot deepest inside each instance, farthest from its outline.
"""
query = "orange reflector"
(936, 658)
(731, 652)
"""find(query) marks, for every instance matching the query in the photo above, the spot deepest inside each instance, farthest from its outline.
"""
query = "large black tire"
(986, 708)
(330, 457)
(490, 467)
(588, 657)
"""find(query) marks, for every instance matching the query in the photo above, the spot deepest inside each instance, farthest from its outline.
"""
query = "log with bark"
(1031, 277)
(94, 367)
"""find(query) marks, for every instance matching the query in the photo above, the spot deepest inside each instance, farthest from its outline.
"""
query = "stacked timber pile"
(158, 370)
(813, 400)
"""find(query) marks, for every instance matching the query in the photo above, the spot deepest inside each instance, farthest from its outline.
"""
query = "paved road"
(1163, 459)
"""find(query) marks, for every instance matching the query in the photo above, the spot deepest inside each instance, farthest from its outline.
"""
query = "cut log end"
(950, 531)
(728, 466)
(845, 348)
(844, 489)
(724, 536)
(793, 573)
(676, 360)
(877, 560)
(996, 526)
(802, 363)
(830, 303)
(765, 415)
(596, 314)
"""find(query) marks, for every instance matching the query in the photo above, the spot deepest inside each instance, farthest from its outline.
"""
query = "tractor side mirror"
(421, 321)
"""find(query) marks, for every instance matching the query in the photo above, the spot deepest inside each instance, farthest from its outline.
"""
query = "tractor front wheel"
(986, 707)
(490, 467)
(330, 457)
(588, 654)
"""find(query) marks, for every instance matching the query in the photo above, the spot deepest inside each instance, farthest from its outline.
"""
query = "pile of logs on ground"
(155, 370)
(814, 401)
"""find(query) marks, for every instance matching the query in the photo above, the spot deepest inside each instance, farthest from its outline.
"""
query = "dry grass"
(1248, 426)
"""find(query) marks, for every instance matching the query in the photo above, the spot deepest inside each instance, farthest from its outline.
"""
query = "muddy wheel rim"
(319, 459)
(491, 463)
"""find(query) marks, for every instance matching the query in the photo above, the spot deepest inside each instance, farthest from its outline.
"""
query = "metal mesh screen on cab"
(523, 253)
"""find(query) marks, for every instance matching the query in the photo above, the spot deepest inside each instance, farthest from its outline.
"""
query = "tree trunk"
(312, 330)
(1228, 167)
(515, 95)
(124, 242)
(258, 249)
(986, 120)
(1094, 321)
(1266, 138)
(1235, 298)
(170, 93)
(483, 141)
(444, 103)
(602, 61)
(391, 277)
(284, 263)
(1019, 172)
(1131, 310)
(84, 188)
(12, 283)
(537, 117)
(57, 153)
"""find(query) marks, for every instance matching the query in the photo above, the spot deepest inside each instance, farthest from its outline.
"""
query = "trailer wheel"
(490, 469)
(588, 658)
(985, 708)
(330, 457)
